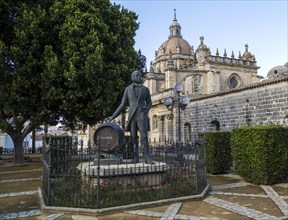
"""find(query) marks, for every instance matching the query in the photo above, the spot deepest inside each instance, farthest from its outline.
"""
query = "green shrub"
(218, 151)
(260, 153)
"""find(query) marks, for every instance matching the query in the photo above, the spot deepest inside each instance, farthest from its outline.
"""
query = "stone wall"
(258, 104)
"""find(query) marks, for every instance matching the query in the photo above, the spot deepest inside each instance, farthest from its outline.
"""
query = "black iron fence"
(29, 150)
(89, 179)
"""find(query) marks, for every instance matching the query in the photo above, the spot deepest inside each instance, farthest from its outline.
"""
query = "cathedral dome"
(174, 45)
(278, 71)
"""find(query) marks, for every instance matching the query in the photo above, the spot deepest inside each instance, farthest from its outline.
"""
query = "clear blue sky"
(224, 24)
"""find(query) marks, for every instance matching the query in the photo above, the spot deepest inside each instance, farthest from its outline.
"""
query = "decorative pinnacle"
(201, 40)
(239, 56)
(175, 14)
(225, 54)
(246, 47)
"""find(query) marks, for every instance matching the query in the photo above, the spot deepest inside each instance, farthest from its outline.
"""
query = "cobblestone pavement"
(233, 207)
(228, 199)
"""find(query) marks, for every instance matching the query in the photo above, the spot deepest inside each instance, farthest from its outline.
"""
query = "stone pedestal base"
(108, 159)
(126, 174)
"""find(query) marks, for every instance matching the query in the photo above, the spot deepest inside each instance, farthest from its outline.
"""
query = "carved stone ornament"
(161, 118)
(170, 117)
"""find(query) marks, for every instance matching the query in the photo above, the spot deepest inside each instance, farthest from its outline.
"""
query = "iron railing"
(11, 151)
(80, 178)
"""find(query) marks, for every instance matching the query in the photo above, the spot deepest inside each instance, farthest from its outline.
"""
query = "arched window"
(196, 83)
(285, 121)
(155, 122)
(216, 125)
(234, 81)
(187, 132)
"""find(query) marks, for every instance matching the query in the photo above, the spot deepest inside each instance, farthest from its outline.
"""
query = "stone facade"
(258, 104)
(224, 92)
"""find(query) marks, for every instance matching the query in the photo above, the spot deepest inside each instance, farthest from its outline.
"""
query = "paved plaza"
(229, 197)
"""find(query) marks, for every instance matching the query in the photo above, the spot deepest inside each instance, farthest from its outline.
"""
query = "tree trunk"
(18, 148)
(33, 141)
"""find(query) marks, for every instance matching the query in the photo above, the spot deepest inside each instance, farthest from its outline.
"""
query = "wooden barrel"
(108, 137)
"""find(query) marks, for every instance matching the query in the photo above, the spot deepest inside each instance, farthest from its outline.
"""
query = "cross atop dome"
(175, 19)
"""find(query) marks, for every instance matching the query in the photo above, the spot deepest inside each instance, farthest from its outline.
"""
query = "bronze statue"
(137, 96)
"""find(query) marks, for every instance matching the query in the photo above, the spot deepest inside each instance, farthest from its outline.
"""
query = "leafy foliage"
(141, 63)
(218, 151)
(62, 59)
(260, 153)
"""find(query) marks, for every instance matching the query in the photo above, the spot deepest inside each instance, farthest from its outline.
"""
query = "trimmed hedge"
(218, 151)
(260, 153)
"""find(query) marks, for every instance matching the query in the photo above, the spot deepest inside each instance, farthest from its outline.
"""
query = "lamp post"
(180, 102)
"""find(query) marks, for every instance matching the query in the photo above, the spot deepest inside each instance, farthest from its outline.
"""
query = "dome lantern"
(175, 43)
(175, 28)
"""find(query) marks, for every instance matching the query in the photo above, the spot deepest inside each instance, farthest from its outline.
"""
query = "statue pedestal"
(126, 174)
(108, 159)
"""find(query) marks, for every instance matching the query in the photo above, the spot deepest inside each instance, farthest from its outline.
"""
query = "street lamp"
(178, 101)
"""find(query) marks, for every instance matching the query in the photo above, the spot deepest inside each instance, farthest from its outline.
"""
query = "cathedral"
(220, 92)
(223, 91)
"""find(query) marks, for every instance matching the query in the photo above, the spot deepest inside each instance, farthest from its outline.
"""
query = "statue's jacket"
(142, 103)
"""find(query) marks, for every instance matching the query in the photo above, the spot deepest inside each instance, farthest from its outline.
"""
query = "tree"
(62, 59)
(141, 63)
